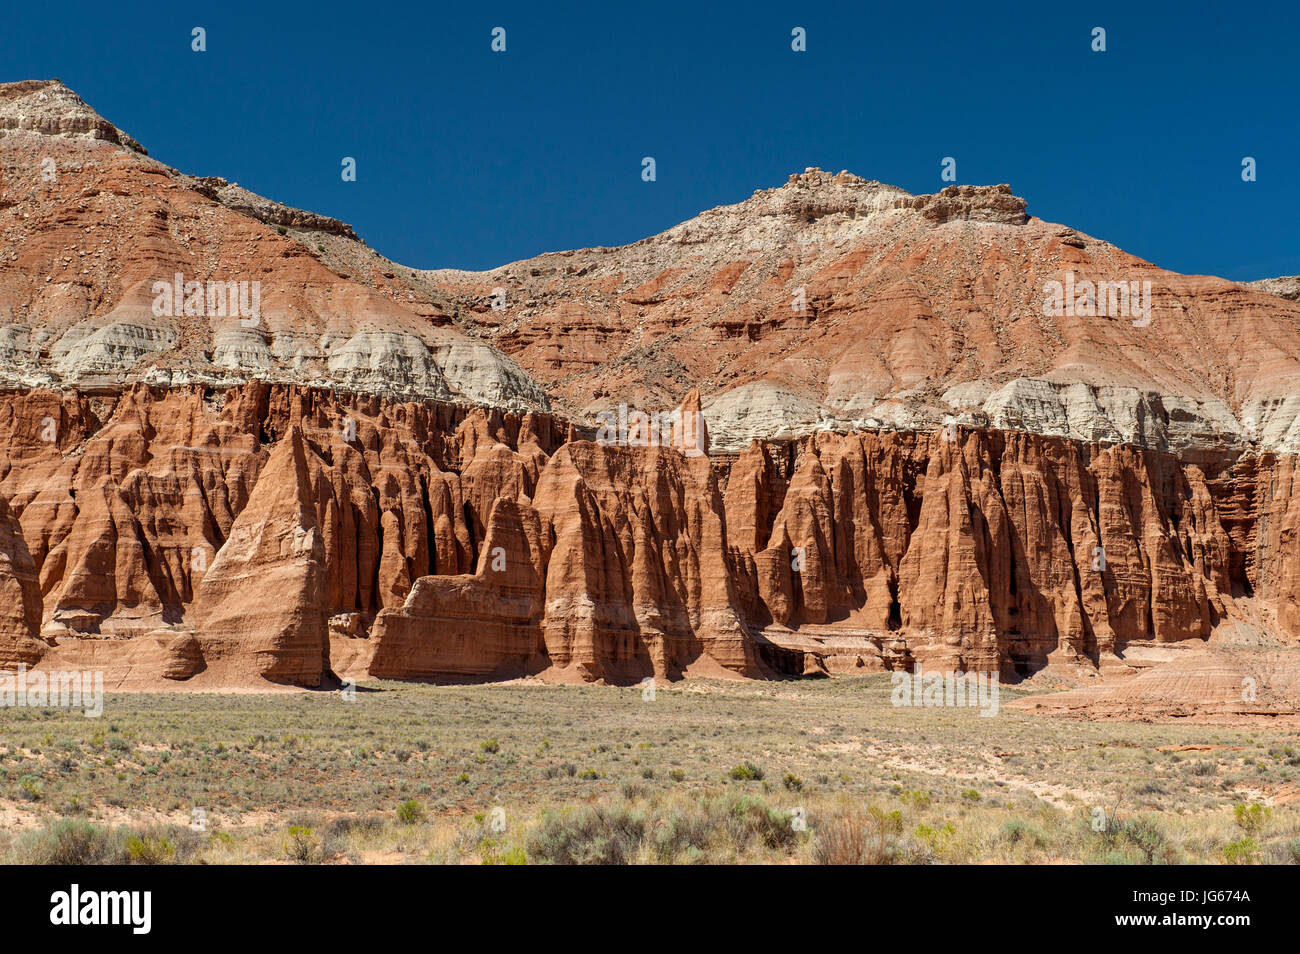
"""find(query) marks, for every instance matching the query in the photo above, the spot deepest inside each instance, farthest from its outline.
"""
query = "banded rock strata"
(473, 544)
(909, 461)
(93, 228)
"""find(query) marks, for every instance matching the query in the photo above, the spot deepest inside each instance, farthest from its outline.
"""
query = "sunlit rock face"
(239, 447)
(463, 543)
(120, 269)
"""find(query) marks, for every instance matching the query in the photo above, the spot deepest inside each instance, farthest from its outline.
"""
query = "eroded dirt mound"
(1219, 685)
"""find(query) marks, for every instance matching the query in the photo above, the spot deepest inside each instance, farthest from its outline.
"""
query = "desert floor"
(810, 771)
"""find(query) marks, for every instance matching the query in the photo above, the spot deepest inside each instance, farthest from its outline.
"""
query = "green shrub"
(1147, 837)
(589, 835)
(1244, 851)
(890, 822)
(302, 845)
(680, 833)
(149, 849)
(493, 853)
(1251, 818)
(72, 842)
(410, 812)
(746, 772)
(936, 839)
(1016, 831)
(747, 818)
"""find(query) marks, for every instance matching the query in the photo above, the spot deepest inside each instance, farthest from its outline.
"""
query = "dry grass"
(806, 771)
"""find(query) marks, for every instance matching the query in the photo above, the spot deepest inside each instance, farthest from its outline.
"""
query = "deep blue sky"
(470, 158)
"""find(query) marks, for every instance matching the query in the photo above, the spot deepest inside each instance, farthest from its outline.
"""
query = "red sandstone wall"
(619, 563)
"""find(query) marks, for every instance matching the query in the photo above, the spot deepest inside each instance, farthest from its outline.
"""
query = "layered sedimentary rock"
(640, 585)
(832, 302)
(1191, 682)
(261, 605)
(834, 427)
(119, 269)
(51, 109)
(840, 303)
(488, 622)
(273, 521)
(20, 597)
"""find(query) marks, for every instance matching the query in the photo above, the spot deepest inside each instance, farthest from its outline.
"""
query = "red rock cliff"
(471, 544)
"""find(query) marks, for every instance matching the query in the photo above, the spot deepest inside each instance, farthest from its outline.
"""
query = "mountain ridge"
(920, 434)
(812, 305)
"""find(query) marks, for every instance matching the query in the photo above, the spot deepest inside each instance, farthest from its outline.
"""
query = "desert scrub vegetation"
(727, 827)
(401, 774)
(410, 812)
(74, 841)
(303, 845)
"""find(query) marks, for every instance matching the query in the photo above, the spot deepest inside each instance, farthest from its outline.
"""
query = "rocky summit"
(833, 428)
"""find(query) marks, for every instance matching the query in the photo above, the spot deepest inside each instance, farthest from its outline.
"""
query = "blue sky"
(470, 158)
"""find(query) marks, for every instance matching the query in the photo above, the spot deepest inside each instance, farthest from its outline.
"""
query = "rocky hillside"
(1284, 287)
(914, 448)
(120, 269)
(836, 303)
